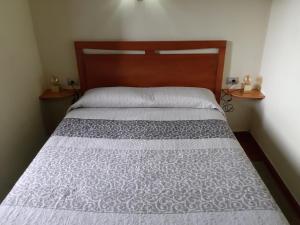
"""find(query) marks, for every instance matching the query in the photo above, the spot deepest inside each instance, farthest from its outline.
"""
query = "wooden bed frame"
(151, 64)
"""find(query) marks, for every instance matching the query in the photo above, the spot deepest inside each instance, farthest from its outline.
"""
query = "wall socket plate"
(71, 82)
(232, 80)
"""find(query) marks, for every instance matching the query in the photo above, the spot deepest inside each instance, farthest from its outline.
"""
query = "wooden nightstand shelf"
(50, 95)
(54, 106)
(239, 93)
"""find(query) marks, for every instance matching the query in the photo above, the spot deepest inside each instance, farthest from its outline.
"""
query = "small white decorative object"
(258, 84)
(55, 84)
(247, 83)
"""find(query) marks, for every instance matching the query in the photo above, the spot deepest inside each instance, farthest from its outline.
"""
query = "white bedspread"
(141, 166)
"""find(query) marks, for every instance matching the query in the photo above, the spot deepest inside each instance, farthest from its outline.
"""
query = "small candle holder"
(247, 84)
(55, 84)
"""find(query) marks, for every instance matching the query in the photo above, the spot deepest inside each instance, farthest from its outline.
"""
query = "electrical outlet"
(71, 82)
(232, 80)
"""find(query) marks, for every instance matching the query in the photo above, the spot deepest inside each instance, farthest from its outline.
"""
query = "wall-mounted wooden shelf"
(50, 95)
(239, 93)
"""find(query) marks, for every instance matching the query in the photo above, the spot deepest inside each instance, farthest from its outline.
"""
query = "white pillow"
(160, 97)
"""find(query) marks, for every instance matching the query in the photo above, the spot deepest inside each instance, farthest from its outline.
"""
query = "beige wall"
(21, 130)
(276, 125)
(59, 22)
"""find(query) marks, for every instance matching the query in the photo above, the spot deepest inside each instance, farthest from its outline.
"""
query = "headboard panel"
(149, 67)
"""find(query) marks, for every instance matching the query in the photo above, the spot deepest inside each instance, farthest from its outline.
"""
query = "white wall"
(60, 22)
(276, 124)
(21, 130)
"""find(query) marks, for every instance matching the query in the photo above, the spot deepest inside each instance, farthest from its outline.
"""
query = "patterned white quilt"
(141, 166)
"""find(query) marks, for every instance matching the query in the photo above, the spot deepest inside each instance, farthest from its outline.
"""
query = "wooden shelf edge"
(49, 95)
(239, 93)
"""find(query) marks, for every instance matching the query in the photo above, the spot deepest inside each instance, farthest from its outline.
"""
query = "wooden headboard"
(151, 64)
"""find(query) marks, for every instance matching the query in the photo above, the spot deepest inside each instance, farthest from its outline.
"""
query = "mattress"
(141, 166)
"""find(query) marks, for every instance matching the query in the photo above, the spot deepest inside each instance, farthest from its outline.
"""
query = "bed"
(163, 155)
